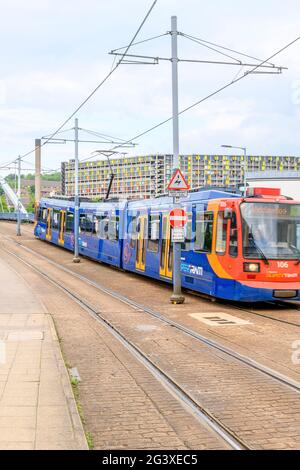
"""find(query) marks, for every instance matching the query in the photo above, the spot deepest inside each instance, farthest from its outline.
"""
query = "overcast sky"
(53, 53)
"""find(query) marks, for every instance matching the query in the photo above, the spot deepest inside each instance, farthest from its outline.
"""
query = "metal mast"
(76, 258)
(19, 197)
(177, 297)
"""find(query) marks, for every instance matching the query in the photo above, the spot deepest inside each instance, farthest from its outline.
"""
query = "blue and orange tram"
(237, 248)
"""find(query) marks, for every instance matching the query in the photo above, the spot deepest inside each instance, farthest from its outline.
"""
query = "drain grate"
(218, 318)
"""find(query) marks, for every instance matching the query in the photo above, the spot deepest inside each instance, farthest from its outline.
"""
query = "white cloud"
(55, 52)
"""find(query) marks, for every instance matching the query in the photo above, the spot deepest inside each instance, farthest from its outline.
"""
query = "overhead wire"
(98, 86)
(142, 42)
(223, 47)
(219, 90)
(209, 47)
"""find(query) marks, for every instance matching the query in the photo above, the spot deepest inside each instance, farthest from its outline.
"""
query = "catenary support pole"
(177, 297)
(19, 197)
(245, 170)
(38, 152)
(76, 258)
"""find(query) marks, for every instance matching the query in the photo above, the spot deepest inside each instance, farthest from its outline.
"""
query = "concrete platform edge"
(79, 432)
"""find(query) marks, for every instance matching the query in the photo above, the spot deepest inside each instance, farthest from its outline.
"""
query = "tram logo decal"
(273, 275)
(191, 269)
(40, 230)
(127, 253)
(82, 243)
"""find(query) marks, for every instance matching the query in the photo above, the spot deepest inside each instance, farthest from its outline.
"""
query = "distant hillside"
(28, 189)
(55, 176)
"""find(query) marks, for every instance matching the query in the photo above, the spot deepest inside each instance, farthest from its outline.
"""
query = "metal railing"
(14, 215)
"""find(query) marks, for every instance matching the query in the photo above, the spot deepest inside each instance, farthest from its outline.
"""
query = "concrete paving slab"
(14, 294)
(37, 405)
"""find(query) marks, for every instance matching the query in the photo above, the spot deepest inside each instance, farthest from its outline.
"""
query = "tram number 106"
(282, 264)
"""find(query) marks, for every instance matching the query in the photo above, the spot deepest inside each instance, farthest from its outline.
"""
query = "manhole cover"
(218, 319)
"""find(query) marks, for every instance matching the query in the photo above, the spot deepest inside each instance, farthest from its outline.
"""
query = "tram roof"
(67, 203)
(196, 196)
(202, 195)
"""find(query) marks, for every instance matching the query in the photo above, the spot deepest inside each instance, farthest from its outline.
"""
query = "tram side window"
(188, 233)
(233, 240)
(42, 215)
(55, 219)
(102, 223)
(113, 228)
(221, 234)
(70, 222)
(153, 233)
(204, 231)
(82, 223)
(289, 232)
(95, 225)
(89, 222)
(62, 222)
(132, 231)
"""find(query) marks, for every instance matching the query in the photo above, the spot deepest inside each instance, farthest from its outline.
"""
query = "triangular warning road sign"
(178, 182)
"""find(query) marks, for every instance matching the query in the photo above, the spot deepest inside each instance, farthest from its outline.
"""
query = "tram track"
(224, 430)
(263, 315)
(203, 415)
(232, 305)
(278, 377)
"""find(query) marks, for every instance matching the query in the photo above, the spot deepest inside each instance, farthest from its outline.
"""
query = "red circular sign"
(178, 218)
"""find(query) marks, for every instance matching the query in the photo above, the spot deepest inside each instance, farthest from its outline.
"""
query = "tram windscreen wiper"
(258, 249)
(296, 250)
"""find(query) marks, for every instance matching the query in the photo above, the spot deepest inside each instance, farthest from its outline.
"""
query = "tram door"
(140, 261)
(166, 254)
(48, 231)
(62, 227)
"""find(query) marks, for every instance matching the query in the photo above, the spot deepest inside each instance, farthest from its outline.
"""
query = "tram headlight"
(252, 267)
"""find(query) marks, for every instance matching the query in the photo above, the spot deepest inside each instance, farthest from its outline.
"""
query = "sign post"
(177, 182)
(178, 219)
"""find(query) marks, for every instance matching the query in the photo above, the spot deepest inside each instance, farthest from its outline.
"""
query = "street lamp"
(245, 162)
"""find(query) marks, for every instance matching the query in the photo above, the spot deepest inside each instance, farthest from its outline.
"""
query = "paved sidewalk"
(37, 406)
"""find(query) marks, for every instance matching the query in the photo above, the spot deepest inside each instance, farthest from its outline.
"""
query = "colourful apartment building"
(148, 176)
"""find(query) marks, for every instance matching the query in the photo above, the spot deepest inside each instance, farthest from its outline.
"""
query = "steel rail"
(203, 416)
(292, 384)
